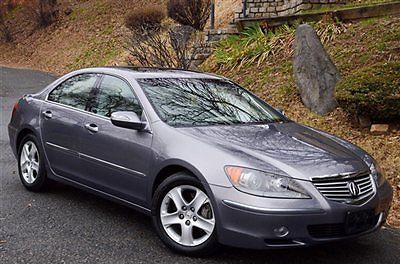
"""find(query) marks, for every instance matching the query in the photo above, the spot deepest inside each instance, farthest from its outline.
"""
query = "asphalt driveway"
(66, 225)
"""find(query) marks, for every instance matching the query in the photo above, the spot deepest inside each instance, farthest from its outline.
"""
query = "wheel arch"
(171, 167)
(22, 133)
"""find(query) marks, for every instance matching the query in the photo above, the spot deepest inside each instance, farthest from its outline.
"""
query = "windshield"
(201, 102)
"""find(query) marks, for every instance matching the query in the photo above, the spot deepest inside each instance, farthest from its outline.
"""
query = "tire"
(203, 242)
(31, 167)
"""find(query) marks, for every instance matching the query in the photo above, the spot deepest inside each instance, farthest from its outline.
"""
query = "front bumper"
(257, 222)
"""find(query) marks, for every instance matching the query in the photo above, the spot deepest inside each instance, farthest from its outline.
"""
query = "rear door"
(116, 159)
(62, 123)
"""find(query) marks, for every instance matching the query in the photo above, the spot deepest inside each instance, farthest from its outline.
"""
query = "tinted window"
(190, 102)
(115, 95)
(74, 91)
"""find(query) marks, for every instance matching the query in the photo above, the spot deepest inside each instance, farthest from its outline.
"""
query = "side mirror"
(127, 120)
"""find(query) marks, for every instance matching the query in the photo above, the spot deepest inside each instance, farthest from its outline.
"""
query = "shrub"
(45, 11)
(194, 13)
(145, 18)
(372, 91)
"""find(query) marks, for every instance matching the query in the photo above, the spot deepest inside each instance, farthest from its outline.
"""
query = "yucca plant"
(253, 46)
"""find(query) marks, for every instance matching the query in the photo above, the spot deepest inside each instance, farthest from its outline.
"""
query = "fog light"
(281, 231)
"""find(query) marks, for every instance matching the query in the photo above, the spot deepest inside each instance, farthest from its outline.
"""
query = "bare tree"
(150, 49)
(182, 39)
(171, 47)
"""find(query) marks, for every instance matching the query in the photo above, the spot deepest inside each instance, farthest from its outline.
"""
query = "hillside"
(87, 33)
(91, 33)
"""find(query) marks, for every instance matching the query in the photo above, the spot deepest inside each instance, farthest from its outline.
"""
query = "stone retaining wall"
(276, 8)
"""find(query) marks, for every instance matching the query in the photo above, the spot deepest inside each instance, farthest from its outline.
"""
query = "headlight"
(265, 184)
(375, 170)
(377, 174)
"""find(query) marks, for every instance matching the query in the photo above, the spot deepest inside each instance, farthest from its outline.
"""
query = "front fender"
(184, 164)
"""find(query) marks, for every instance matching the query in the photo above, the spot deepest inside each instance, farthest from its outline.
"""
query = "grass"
(13, 12)
(77, 12)
(372, 91)
(351, 48)
(350, 5)
(89, 13)
(98, 53)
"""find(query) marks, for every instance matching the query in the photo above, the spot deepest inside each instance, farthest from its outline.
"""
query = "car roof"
(151, 72)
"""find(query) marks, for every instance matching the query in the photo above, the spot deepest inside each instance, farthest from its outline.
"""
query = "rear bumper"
(255, 227)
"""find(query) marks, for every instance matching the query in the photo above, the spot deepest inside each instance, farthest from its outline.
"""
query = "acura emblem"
(353, 189)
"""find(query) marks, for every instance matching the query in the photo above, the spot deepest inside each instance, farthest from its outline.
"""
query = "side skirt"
(99, 193)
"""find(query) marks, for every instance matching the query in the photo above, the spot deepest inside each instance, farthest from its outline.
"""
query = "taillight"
(15, 107)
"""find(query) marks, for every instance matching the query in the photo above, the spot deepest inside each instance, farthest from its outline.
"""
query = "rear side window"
(74, 91)
(115, 95)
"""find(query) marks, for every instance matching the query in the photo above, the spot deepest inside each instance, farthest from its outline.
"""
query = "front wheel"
(184, 216)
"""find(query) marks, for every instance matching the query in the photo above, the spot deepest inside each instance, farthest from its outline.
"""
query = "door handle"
(47, 114)
(92, 128)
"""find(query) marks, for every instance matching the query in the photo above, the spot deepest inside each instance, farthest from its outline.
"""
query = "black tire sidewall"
(40, 183)
(182, 178)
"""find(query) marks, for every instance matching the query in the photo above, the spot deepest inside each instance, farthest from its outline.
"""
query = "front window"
(115, 95)
(201, 102)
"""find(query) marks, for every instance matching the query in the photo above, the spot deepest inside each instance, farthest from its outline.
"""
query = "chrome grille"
(336, 188)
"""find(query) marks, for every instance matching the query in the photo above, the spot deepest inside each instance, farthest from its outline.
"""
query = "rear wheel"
(184, 217)
(31, 164)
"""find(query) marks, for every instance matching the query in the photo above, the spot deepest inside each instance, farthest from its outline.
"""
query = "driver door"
(116, 160)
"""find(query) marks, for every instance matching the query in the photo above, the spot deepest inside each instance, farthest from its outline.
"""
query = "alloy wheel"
(29, 162)
(187, 215)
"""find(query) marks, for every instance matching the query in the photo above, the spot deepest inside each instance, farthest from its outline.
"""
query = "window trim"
(100, 76)
(63, 81)
(76, 109)
(98, 87)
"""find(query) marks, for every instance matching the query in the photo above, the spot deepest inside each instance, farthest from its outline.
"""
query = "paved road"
(66, 225)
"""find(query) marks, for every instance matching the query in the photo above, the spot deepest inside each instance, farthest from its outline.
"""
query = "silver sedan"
(208, 160)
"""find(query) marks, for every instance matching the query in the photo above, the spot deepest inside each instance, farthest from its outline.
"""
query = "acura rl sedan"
(209, 161)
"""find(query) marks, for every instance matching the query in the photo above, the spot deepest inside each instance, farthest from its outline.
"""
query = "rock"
(379, 129)
(364, 121)
(314, 72)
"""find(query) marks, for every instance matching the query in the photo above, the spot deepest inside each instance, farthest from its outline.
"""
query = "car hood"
(285, 148)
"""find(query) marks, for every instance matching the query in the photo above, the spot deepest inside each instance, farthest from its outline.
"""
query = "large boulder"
(314, 72)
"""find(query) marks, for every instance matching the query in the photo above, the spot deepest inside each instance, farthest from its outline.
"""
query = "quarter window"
(74, 91)
(115, 95)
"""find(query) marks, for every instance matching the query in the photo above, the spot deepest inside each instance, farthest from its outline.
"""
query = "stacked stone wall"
(275, 8)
